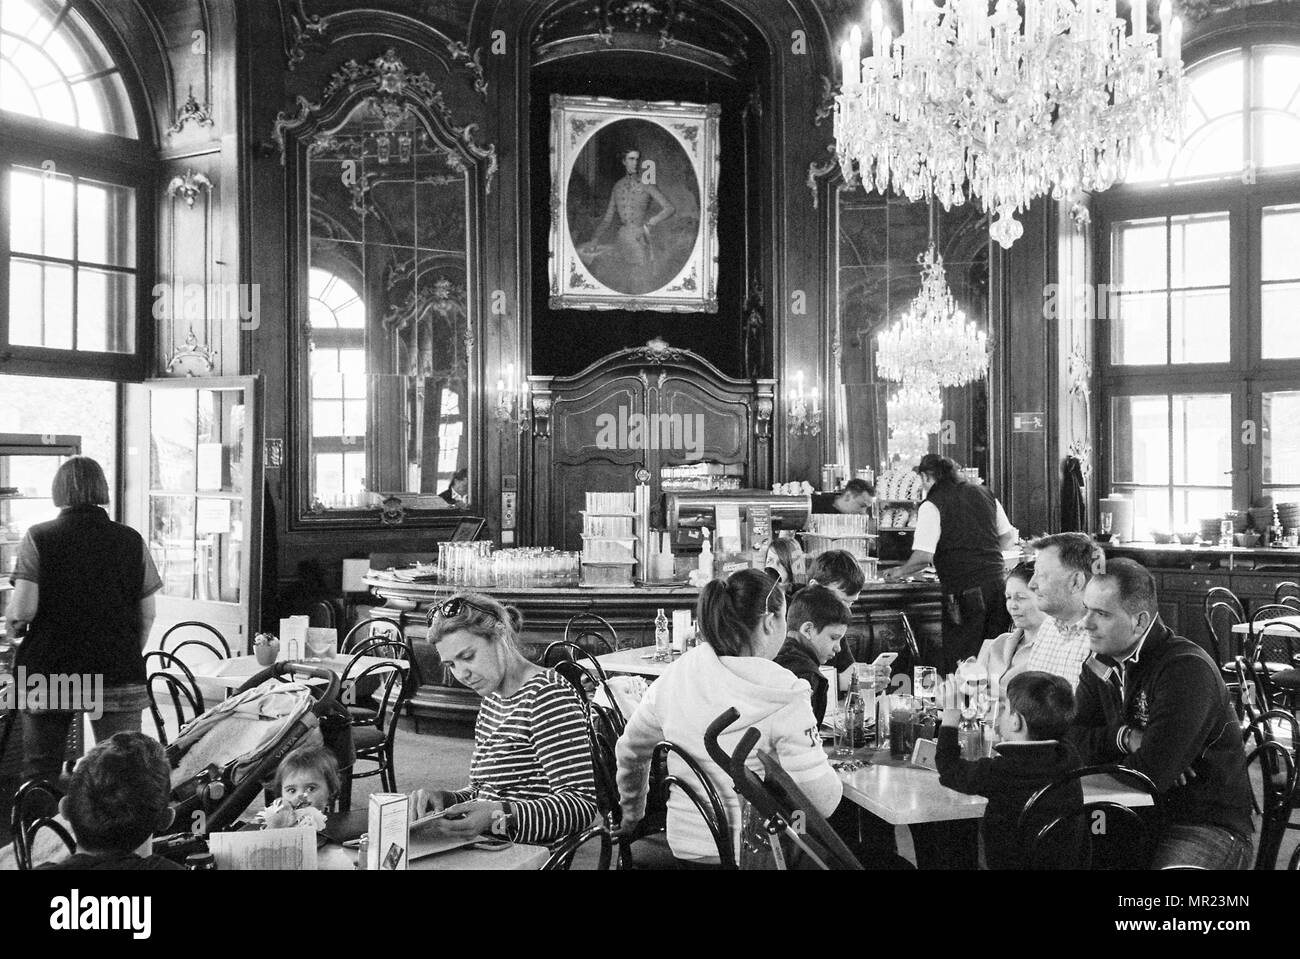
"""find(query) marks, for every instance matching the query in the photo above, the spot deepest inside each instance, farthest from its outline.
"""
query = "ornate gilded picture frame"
(634, 205)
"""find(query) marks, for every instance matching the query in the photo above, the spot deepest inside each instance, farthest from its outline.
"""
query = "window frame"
(1246, 375)
(108, 157)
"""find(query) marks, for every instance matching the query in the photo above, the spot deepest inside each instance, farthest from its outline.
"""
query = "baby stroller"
(781, 826)
(225, 756)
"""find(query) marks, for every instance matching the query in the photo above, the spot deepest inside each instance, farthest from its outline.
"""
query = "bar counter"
(631, 611)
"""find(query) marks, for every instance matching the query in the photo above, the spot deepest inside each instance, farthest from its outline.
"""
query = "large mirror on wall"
(387, 193)
(875, 247)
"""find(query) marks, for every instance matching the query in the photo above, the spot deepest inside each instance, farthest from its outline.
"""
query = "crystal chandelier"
(914, 413)
(971, 104)
(932, 344)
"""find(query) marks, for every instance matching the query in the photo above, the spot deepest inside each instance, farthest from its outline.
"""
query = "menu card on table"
(277, 849)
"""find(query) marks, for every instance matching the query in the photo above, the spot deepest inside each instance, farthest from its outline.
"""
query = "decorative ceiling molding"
(648, 25)
(1196, 10)
(387, 88)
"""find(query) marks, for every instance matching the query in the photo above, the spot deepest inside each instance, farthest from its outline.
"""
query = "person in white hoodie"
(742, 625)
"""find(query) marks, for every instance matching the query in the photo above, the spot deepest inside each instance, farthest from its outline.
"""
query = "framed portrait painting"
(634, 205)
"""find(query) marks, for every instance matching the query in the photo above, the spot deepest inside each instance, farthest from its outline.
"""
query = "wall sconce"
(384, 147)
(803, 411)
(512, 401)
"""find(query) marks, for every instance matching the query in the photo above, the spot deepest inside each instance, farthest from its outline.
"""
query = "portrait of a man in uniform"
(630, 230)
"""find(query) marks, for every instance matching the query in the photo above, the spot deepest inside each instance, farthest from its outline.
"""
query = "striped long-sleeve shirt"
(532, 748)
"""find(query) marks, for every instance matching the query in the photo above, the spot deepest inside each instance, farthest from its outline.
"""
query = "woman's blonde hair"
(475, 613)
(79, 482)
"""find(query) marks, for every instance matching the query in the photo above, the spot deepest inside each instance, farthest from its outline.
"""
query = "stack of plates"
(1261, 517)
(1210, 530)
(1238, 518)
(1289, 514)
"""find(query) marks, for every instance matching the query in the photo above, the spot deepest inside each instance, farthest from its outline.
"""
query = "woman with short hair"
(531, 779)
(83, 603)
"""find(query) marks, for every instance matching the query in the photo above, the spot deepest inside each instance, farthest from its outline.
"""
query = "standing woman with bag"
(83, 603)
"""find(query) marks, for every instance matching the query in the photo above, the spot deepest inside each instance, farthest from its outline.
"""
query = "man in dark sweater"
(1031, 755)
(117, 800)
(815, 626)
(1156, 702)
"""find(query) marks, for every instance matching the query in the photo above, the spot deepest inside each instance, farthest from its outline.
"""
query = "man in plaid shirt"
(1063, 565)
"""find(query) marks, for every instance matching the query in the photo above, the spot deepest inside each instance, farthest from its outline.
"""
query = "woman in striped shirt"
(531, 777)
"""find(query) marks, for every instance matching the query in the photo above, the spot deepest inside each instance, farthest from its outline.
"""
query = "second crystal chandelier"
(968, 103)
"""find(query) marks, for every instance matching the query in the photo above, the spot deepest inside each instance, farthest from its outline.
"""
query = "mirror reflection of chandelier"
(932, 344)
(914, 413)
(968, 103)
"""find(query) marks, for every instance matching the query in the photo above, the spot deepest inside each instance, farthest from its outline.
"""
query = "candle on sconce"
(815, 408)
(1174, 49)
(877, 25)
(1139, 17)
(855, 55)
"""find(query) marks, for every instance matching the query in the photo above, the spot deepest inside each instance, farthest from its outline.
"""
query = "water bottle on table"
(663, 644)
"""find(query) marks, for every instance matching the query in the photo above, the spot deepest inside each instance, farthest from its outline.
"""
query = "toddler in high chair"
(306, 783)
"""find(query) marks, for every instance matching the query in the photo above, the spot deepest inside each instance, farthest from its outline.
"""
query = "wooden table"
(634, 661)
(906, 795)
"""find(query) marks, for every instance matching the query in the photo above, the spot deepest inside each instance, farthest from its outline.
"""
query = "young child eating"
(307, 782)
(1032, 724)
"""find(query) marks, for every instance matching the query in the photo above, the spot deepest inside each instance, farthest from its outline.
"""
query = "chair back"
(1220, 617)
(562, 856)
(322, 615)
(179, 684)
(390, 695)
(34, 808)
(581, 670)
(1250, 695)
(1287, 594)
(709, 805)
(1266, 727)
(1271, 798)
(588, 629)
(1106, 834)
(355, 692)
(376, 627)
(211, 640)
(1221, 594)
(1277, 646)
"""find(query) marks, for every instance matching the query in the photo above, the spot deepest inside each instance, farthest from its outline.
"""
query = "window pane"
(329, 476)
(1281, 433)
(1216, 86)
(1279, 71)
(1150, 512)
(1280, 331)
(1280, 243)
(1278, 137)
(354, 385)
(105, 311)
(171, 540)
(327, 418)
(323, 362)
(1202, 426)
(173, 443)
(352, 364)
(105, 224)
(1141, 439)
(1213, 150)
(1139, 257)
(354, 473)
(40, 306)
(43, 212)
(354, 418)
(1138, 329)
(1192, 506)
(1199, 324)
(1199, 250)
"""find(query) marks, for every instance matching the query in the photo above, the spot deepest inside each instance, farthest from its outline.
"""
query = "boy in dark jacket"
(815, 627)
(117, 800)
(1033, 723)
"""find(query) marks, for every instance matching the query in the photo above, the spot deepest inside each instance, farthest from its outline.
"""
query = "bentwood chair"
(1277, 659)
(1288, 594)
(591, 631)
(1221, 594)
(702, 794)
(368, 630)
(1282, 727)
(35, 804)
(1102, 834)
(562, 856)
(583, 672)
(1219, 618)
(1271, 798)
(374, 740)
(179, 684)
(213, 641)
(359, 697)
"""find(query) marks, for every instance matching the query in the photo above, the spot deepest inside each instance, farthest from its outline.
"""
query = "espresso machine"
(687, 514)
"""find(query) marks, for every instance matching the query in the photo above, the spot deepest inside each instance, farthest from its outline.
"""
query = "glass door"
(202, 500)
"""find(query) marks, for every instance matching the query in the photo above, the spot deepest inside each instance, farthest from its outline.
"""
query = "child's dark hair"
(729, 611)
(119, 794)
(837, 567)
(1045, 702)
(315, 759)
(819, 606)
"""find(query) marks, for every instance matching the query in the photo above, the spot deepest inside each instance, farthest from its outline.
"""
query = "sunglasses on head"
(451, 608)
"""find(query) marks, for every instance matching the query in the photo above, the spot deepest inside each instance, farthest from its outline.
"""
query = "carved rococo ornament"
(473, 63)
(188, 187)
(192, 357)
(391, 86)
(190, 112)
(817, 171)
(656, 351)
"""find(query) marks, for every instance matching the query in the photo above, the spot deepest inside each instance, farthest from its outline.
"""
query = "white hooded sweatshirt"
(680, 705)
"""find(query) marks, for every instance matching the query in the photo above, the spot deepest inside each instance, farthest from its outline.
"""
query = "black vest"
(88, 607)
(968, 553)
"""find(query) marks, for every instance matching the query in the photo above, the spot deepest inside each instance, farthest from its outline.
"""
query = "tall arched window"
(74, 235)
(1199, 332)
(338, 388)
